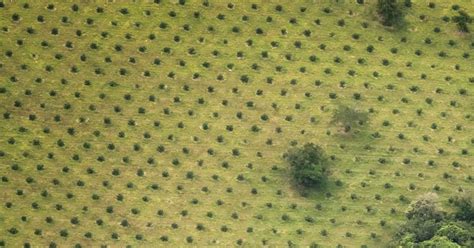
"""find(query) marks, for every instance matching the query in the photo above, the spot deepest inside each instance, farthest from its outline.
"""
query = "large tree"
(423, 219)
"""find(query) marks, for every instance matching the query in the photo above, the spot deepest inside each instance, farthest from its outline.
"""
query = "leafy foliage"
(454, 232)
(439, 241)
(429, 226)
(309, 164)
(423, 220)
(425, 209)
(390, 13)
(464, 208)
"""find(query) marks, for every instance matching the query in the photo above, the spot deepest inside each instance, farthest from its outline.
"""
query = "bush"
(389, 12)
(309, 164)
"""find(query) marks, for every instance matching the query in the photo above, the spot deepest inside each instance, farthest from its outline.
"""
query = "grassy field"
(164, 124)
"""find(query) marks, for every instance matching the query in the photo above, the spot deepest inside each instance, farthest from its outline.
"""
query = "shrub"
(309, 164)
(389, 12)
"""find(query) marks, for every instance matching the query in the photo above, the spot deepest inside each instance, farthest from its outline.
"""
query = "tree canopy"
(309, 164)
(428, 226)
(390, 12)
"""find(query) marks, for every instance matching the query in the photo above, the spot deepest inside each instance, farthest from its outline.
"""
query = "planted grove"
(235, 123)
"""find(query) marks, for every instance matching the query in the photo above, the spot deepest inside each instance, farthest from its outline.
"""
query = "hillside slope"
(160, 124)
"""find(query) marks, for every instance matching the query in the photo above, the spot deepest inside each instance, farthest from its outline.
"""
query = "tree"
(421, 230)
(464, 208)
(428, 226)
(389, 12)
(438, 242)
(349, 118)
(462, 20)
(424, 218)
(309, 164)
(454, 232)
(425, 208)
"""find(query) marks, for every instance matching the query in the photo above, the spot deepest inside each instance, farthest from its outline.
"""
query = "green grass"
(356, 159)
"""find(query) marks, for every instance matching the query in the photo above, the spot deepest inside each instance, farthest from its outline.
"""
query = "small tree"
(349, 118)
(462, 20)
(389, 12)
(309, 164)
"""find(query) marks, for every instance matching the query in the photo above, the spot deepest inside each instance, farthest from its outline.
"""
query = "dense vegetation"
(428, 226)
(390, 12)
(309, 165)
(165, 123)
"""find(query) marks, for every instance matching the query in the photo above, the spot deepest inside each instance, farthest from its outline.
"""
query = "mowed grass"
(175, 116)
